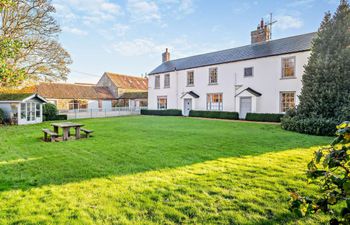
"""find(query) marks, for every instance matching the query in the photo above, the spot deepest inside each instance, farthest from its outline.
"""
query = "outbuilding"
(22, 109)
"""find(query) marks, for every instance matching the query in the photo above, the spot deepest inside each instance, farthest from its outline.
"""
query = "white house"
(263, 77)
(23, 108)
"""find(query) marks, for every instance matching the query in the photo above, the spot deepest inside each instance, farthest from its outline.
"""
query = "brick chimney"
(166, 56)
(261, 34)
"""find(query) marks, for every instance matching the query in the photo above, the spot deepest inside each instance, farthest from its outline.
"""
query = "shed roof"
(287, 45)
(128, 82)
(14, 96)
(19, 97)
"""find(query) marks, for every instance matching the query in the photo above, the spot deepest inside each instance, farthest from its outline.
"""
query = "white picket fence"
(98, 113)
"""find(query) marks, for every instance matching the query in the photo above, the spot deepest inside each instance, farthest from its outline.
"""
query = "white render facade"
(267, 79)
(270, 87)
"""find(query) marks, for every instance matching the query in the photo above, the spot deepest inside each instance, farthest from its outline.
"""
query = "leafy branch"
(330, 169)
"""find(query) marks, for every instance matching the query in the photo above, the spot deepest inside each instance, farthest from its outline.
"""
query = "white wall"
(267, 80)
(92, 104)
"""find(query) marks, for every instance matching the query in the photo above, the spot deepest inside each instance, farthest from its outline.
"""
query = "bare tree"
(32, 23)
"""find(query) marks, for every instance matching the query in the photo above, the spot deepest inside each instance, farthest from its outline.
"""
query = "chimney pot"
(166, 56)
(261, 34)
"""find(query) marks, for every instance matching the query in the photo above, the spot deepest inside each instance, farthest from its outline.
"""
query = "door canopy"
(191, 93)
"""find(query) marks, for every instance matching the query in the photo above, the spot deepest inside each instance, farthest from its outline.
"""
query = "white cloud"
(143, 10)
(120, 29)
(243, 7)
(186, 6)
(178, 47)
(301, 3)
(285, 22)
(89, 11)
(138, 47)
(110, 7)
(74, 30)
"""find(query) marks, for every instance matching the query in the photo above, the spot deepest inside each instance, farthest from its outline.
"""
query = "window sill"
(190, 85)
(288, 78)
(248, 76)
(166, 87)
(213, 84)
(157, 88)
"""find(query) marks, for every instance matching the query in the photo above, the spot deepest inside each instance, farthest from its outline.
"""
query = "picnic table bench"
(53, 135)
(87, 132)
(66, 126)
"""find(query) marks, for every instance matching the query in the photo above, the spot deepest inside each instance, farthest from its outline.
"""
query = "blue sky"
(128, 36)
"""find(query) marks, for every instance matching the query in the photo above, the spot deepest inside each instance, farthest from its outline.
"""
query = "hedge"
(316, 126)
(264, 117)
(166, 112)
(56, 117)
(215, 114)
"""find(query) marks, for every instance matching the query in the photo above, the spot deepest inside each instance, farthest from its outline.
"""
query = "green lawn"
(155, 170)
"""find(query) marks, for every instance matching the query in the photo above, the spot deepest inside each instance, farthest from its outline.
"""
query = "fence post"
(91, 113)
(75, 112)
(105, 112)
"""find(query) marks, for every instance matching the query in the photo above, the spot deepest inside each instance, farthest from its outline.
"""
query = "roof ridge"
(81, 85)
(124, 75)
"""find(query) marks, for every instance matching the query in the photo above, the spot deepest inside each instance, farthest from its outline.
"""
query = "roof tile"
(275, 47)
(73, 91)
(128, 82)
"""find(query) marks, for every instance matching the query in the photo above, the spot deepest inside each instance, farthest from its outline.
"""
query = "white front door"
(245, 106)
(187, 106)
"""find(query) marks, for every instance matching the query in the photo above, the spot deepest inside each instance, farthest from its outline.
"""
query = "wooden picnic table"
(66, 126)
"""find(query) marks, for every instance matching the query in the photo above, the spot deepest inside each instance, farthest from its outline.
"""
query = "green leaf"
(346, 187)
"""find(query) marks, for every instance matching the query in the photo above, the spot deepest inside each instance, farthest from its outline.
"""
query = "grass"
(155, 170)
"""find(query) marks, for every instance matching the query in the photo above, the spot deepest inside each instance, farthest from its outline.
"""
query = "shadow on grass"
(129, 145)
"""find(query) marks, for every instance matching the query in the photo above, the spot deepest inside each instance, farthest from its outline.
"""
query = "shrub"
(49, 111)
(166, 112)
(264, 117)
(2, 116)
(214, 114)
(329, 169)
(316, 126)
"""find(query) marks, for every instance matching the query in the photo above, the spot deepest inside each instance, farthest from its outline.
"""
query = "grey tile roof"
(275, 47)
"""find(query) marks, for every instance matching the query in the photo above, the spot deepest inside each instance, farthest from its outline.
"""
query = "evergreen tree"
(326, 80)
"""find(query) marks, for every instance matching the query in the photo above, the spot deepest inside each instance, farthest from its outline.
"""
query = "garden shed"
(22, 108)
